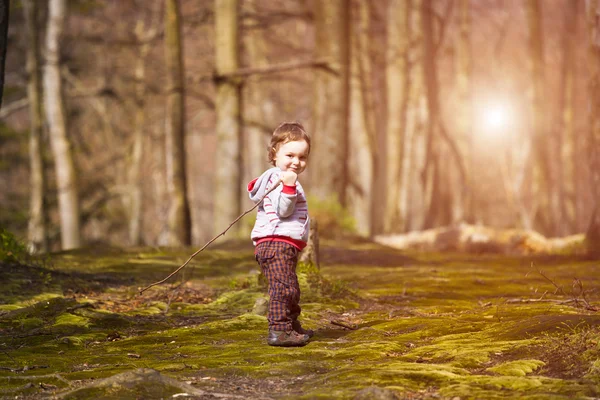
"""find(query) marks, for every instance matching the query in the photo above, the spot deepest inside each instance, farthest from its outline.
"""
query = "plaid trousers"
(278, 263)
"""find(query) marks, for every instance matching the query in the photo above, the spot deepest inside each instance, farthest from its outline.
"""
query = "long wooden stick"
(212, 240)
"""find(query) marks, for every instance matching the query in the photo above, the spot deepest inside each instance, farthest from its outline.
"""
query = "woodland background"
(133, 122)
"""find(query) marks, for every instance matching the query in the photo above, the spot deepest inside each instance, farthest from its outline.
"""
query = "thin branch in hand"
(212, 240)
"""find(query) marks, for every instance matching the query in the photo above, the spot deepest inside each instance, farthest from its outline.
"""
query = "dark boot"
(287, 339)
(297, 327)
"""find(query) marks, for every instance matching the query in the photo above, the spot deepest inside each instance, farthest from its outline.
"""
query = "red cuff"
(251, 184)
(289, 189)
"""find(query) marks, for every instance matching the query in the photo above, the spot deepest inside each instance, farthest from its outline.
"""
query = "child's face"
(292, 156)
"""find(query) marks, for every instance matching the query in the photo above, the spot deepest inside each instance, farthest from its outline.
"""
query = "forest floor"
(389, 324)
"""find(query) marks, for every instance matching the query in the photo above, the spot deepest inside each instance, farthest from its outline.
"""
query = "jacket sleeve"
(281, 201)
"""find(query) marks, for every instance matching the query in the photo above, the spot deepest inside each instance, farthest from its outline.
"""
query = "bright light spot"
(496, 117)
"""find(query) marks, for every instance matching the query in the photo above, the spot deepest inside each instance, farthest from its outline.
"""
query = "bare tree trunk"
(179, 223)
(439, 210)
(413, 194)
(465, 101)
(137, 149)
(331, 107)
(565, 143)
(66, 181)
(37, 230)
(4, 20)
(593, 17)
(411, 111)
(430, 174)
(228, 175)
(259, 107)
(540, 129)
(362, 142)
(398, 96)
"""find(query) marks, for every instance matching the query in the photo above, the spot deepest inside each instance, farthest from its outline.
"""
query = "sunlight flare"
(496, 119)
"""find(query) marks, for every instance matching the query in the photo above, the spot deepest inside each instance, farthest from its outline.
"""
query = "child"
(281, 231)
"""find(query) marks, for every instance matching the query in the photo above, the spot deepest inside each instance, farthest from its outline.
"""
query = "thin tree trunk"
(439, 210)
(179, 223)
(66, 181)
(37, 229)
(135, 169)
(228, 176)
(540, 129)
(409, 111)
(4, 21)
(362, 142)
(565, 146)
(430, 173)
(465, 101)
(413, 190)
(259, 109)
(368, 155)
(331, 107)
(398, 88)
(593, 17)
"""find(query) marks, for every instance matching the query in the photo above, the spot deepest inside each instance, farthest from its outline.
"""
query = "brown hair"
(286, 132)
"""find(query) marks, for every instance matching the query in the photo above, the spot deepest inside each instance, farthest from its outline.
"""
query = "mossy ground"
(428, 325)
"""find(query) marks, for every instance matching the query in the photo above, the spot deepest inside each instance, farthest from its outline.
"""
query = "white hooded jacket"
(283, 213)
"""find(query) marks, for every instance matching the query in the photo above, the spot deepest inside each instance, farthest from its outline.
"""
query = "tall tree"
(431, 174)
(228, 175)
(398, 97)
(565, 144)
(465, 98)
(593, 18)
(4, 14)
(143, 36)
(179, 223)
(331, 105)
(413, 193)
(258, 105)
(37, 230)
(540, 129)
(64, 163)
(441, 209)
(362, 143)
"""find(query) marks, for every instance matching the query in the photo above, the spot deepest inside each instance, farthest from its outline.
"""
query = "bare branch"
(244, 72)
(13, 107)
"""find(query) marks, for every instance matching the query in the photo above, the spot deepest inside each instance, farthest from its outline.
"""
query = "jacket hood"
(258, 187)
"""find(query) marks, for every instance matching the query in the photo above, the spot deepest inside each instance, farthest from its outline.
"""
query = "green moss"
(12, 250)
(517, 368)
(81, 340)
(594, 371)
(47, 308)
(9, 307)
(429, 325)
(71, 320)
(31, 323)
(69, 323)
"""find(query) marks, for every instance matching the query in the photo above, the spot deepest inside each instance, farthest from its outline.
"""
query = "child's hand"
(289, 178)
